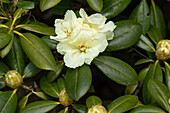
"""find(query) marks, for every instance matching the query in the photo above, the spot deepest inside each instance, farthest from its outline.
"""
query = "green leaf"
(147, 109)
(92, 101)
(122, 104)
(2, 82)
(5, 1)
(22, 102)
(142, 61)
(45, 30)
(52, 75)
(30, 71)
(127, 33)
(97, 5)
(4, 39)
(80, 108)
(52, 44)
(3, 68)
(49, 88)
(18, 13)
(142, 74)
(64, 110)
(157, 18)
(155, 34)
(117, 70)
(38, 52)
(78, 81)
(41, 95)
(26, 4)
(154, 72)
(142, 16)
(160, 93)
(47, 4)
(112, 8)
(145, 44)
(8, 101)
(16, 58)
(130, 89)
(40, 107)
(61, 84)
(167, 74)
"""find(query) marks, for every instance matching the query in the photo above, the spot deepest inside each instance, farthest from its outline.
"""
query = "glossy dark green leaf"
(127, 33)
(112, 8)
(8, 102)
(30, 70)
(2, 82)
(45, 30)
(41, 95)
(49, 88)
(167, 74)
(142, 61)
(147, 109)
(16, 58)
(3, 68)
(80, 108)
(157, 18)
(26, 4)
(38, 52)
(122, 104)
(145, 44)
(64, 110)
(4, 39)
(52, 75)
(78, 81)
(97, 5)
(46, 4)
(40, 107)
(142, 74)
(18, 13)
(154, 72)
(130, 89)
(92, 101)
(52, 44)
(160, 93)
(22, 102)
(134, 14)
(117, 70)
(155, 34)
(61, 84)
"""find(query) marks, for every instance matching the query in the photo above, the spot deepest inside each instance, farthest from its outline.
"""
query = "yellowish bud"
(64, 99)
(97, 109)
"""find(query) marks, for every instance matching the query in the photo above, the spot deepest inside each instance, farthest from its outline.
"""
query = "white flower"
(82, 39)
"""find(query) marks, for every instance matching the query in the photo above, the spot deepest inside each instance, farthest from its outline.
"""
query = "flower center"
(83, 48)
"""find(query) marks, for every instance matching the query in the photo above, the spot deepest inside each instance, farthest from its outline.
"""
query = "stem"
(26, 87)
(140, 53)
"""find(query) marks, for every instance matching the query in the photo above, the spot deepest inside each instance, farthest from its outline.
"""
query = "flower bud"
(163, 50)
(13, 79)
(64, 99)
(97, 109)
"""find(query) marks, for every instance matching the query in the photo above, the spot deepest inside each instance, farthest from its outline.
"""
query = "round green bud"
(64, 99)
(163, 50)
(97, 109)
(13, 79)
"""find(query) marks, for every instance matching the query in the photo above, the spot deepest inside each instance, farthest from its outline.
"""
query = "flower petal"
(84, 15)
(109, 26)
(90, 55)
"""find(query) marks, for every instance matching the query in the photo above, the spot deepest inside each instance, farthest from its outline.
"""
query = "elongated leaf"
(112, 8)
(41, 95)
(40, 107)
(143, 17)
(49, 88)
(80, 108)
(8, 102)
(160, 93)
(61, 84)
(122, 104)
(38, 52)
(78, 81)
(46, 4)
(167, 74)
(52, 44)
(30, 71)
(155, 34)
(154, 72)
(38, 28)
(157, 18)
(4, 39)
(3, 68)
(146, 44)
(147, 109)
(142, 74)
(97, 5)
(127, 33)
(52, 75)
(2, 82)
(64, 110)
(26, 4)
(130, 89)
(16, 58)
(117, 70)
(142, 61)
(92, 101)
